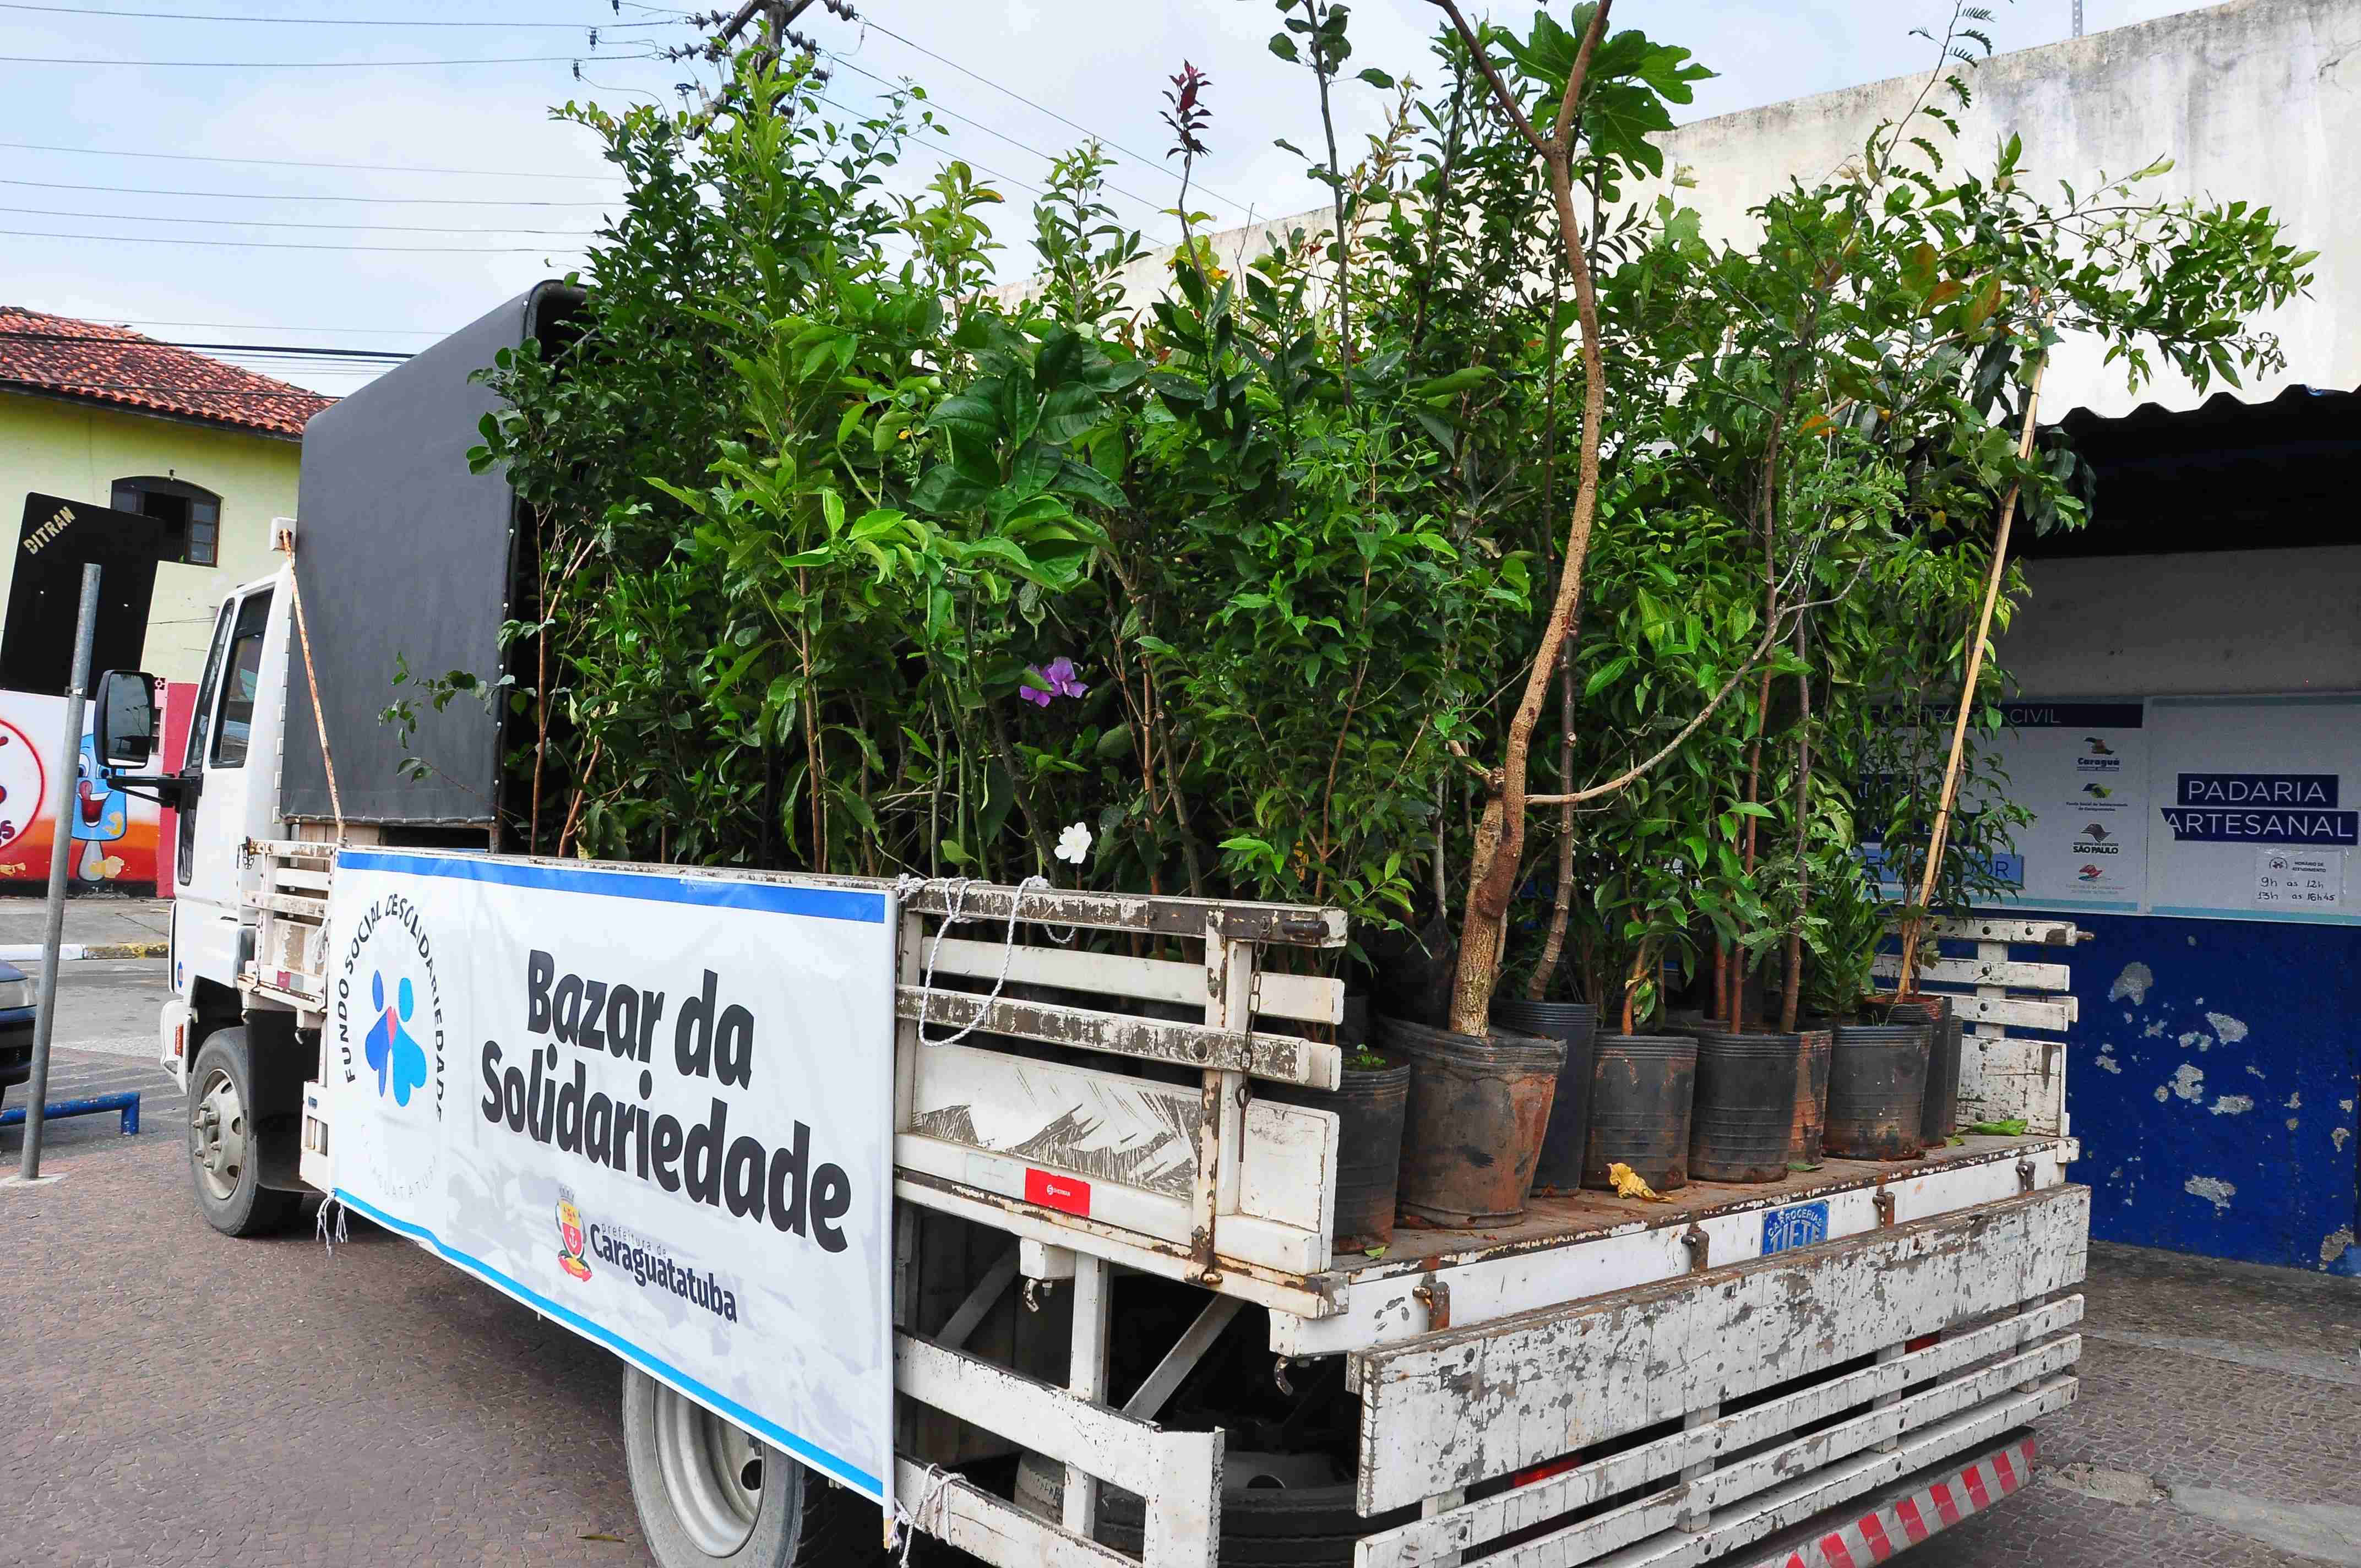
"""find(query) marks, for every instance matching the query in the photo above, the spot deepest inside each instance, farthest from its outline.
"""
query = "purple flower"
(1059, 676)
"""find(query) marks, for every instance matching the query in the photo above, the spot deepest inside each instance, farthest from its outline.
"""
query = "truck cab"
(228, 794)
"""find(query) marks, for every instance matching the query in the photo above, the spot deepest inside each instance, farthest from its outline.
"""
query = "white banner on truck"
(655, 1107)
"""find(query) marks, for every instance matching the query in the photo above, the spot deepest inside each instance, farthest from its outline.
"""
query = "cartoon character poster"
(114, 835)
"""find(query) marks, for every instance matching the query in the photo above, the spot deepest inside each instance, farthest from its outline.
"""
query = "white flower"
(1074, 844)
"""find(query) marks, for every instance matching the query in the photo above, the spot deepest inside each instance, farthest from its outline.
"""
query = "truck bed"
(1571, 1218)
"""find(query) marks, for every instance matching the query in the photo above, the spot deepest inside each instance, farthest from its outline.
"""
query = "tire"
(681, 1458)
(225, 1152)
(1305, 1527)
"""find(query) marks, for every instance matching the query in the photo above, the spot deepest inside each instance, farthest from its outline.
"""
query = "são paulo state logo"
(389, 1047)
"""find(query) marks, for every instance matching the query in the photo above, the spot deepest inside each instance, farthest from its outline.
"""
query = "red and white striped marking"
(1907, 1520)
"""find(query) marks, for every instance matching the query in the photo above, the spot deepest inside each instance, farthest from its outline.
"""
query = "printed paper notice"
(2311, 881)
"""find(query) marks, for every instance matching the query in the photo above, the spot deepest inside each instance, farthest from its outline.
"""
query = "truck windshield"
(201, 721)
(241, 680)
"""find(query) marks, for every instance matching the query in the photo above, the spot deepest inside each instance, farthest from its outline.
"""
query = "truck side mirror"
(123, 730)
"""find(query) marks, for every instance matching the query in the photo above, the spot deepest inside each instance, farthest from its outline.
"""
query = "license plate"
(1798, 1224)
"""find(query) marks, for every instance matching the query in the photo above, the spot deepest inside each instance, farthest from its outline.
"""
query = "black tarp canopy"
(404, 557)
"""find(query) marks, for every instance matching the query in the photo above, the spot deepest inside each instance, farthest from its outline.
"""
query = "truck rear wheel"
(710, 1492)
(224, 1147)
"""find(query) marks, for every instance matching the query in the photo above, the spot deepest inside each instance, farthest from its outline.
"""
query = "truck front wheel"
(710, 1492)
(224, 1147)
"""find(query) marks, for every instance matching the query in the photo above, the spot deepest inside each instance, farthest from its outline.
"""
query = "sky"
(184, 166)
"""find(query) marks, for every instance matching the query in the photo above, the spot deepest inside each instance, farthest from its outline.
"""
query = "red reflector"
(1923, 1341)
(1071, 1193)
(1544, 1470)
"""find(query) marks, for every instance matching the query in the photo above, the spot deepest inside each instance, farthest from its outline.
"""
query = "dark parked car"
(16, 1027)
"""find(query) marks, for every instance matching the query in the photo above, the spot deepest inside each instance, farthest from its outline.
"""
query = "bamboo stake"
(1914, 926)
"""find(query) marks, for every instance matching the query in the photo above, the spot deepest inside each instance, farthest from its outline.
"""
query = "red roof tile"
(115, 365)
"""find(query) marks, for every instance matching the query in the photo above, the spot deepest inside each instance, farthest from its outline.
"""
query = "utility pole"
(29, 1167)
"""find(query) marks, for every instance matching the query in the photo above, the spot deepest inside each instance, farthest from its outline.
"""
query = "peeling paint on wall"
(2133, 982)
(2278, 1002)
(2335, 1245)
(2229, 1030)
(2212, 1189)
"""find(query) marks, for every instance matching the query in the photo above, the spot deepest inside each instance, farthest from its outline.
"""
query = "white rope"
(904, 887)
(326, 1236)
(909, 1522)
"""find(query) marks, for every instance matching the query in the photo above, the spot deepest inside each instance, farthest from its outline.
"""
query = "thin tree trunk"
(1914, 923)
(1320, 70)
(1803, 819)
(1492, 878)
(1562, 905)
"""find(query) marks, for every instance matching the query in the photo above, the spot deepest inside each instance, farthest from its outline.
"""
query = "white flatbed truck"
(1119, 1330)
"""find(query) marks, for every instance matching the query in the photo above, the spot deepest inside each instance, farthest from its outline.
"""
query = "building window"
(192, 514)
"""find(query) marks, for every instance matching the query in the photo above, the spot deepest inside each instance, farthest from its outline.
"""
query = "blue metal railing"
(97, 1104)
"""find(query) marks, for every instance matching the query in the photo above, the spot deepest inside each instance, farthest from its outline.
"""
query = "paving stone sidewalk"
(177, 1397)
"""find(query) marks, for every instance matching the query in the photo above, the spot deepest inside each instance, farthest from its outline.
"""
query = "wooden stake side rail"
(2003, 1076)
(1955, 1360)
(1285, 1058)
(1456, 1409)
(1281, 925)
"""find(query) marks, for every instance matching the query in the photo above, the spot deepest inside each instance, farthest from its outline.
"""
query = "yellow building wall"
(76, 451)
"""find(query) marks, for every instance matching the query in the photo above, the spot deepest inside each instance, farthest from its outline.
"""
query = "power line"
(297, 162)
(22, 337)
(269, 327)
(317, 64)
(292, 245)
(273, 197)
(1155, 164)
(945, 157)
(332, 21)
(1147, 201)
(271, 224)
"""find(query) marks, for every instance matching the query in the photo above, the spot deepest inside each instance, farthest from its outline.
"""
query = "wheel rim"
(217, 1136)
(712, 1472)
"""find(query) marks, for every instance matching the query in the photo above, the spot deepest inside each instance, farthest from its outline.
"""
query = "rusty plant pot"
(1575, 1023)
(1369, 1107)
(1877, 1090)
(1805, 1142)
(1745, 1117)
(1642, 1091)
(1943, 1103)
(1472, 1133)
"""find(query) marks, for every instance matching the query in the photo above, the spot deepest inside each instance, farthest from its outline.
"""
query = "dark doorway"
(58, 538)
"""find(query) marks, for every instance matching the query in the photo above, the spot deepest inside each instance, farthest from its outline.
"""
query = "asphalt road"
(180, 1397)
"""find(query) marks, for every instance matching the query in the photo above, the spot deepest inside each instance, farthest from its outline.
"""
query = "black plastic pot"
(1577, 1023)
(1472, 1133)
(1369, 1107)
(1877, 1090)
(1642, 1089)
(1744, 1116)
(1805, 1143)
(1942, 1101)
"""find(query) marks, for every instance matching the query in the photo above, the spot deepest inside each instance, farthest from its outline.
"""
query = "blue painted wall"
(2211, 1079)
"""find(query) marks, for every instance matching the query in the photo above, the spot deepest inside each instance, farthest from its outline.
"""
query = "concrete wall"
(2259, 100)
(2235, 623)
(2215, 1073)
(77, 451)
